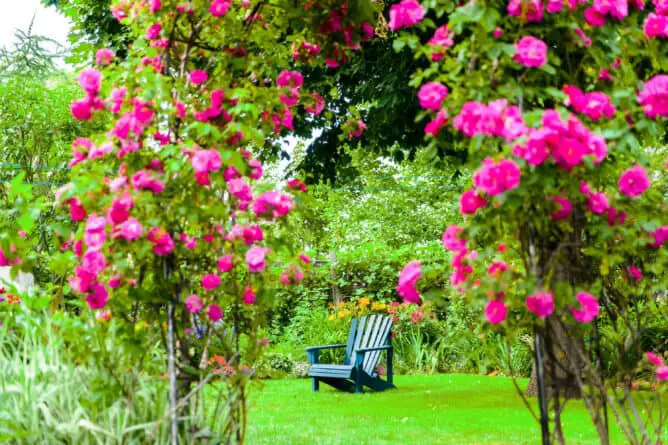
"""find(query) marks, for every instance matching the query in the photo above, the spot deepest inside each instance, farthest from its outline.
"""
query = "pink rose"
(405, 14)
(255, 258)
(589, 307)
(210, 281)
(496, 311)
(634, 182)
(541, 304)
(432, 95)
(193, 304)
(531, 52)
(407, 281)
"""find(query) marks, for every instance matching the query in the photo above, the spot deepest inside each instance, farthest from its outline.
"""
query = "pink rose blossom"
(634, 182)
(598, 203)
(541, 304)
(305, 258)
(662, 373)
(206, 161)
(104, 56)
(215, 313)
(564, 208)
(98, 297)
(289, 79)
(249, 296)
(193, 304)
(226, 262)
(90, 80)
(470, 201)
(496, 311)
(81, 110)
(434, 126)
(634, 272)
(405, 14)
(531, 52)
(210, 281)
(654, 359)
(432, 95)
(131, 230)
(407, 281)
(589, 308)
(654, 96)
(153, 31)
(198, 77)
(219, 7)
(255, 258)
(452, 239)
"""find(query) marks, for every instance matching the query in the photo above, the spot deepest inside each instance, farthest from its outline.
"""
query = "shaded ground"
(438, 409)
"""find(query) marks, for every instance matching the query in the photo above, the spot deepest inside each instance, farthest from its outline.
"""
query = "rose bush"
(558, 105)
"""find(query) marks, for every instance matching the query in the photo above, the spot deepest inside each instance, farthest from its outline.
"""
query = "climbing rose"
(654, 96)
(564, 208)
(104, 56)
(635, 272)
(634, 182)
(442, 39)
(219, 7)
(496, 311)
(289, 79)
(495, 178)
(98, 298)
(305, 258)
(249, 296)
(653, 358)
(541, 304)
(531, 52)
(198, 76)
(656, 25)
(407, 279)
(662, 373)
(193, 304)
(131, 229)
(432, 95)
(598, 203)
(255, 258)
(90, 80)
(162, 241)
(589, 307)
(434, 126)
(215, 313)
(153, 31)
(210, 281)
(225, 263)
(81, 110)
(405, 14)
(470, 201)
(452, 240)
(77, 212)
(206, 161)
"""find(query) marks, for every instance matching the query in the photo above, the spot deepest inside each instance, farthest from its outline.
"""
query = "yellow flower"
(378, 306)
(339, 304)
(332, 317)
(364, 301)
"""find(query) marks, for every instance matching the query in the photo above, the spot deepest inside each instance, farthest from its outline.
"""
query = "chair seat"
(334, 371)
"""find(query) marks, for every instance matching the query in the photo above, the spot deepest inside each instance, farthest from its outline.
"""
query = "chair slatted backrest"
(368, 332)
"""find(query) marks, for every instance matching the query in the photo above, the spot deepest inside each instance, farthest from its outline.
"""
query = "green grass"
(437, 409)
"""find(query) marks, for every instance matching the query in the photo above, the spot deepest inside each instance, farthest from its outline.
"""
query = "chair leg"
(358, 383)
(316, 384)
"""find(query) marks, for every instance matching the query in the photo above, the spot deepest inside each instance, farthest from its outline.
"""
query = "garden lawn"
(436, 409)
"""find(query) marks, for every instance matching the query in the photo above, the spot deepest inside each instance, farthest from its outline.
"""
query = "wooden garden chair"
(368, 337)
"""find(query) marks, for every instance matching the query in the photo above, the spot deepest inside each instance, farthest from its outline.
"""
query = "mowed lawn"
(437, 409)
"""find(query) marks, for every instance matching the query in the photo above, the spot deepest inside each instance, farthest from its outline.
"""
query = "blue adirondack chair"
(368, 337)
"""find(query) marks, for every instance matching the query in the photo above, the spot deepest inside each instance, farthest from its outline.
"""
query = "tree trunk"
(336, 291)
(561, 363)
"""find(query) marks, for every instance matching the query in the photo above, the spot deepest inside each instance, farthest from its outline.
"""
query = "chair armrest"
(318, 348)
(379, 348)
